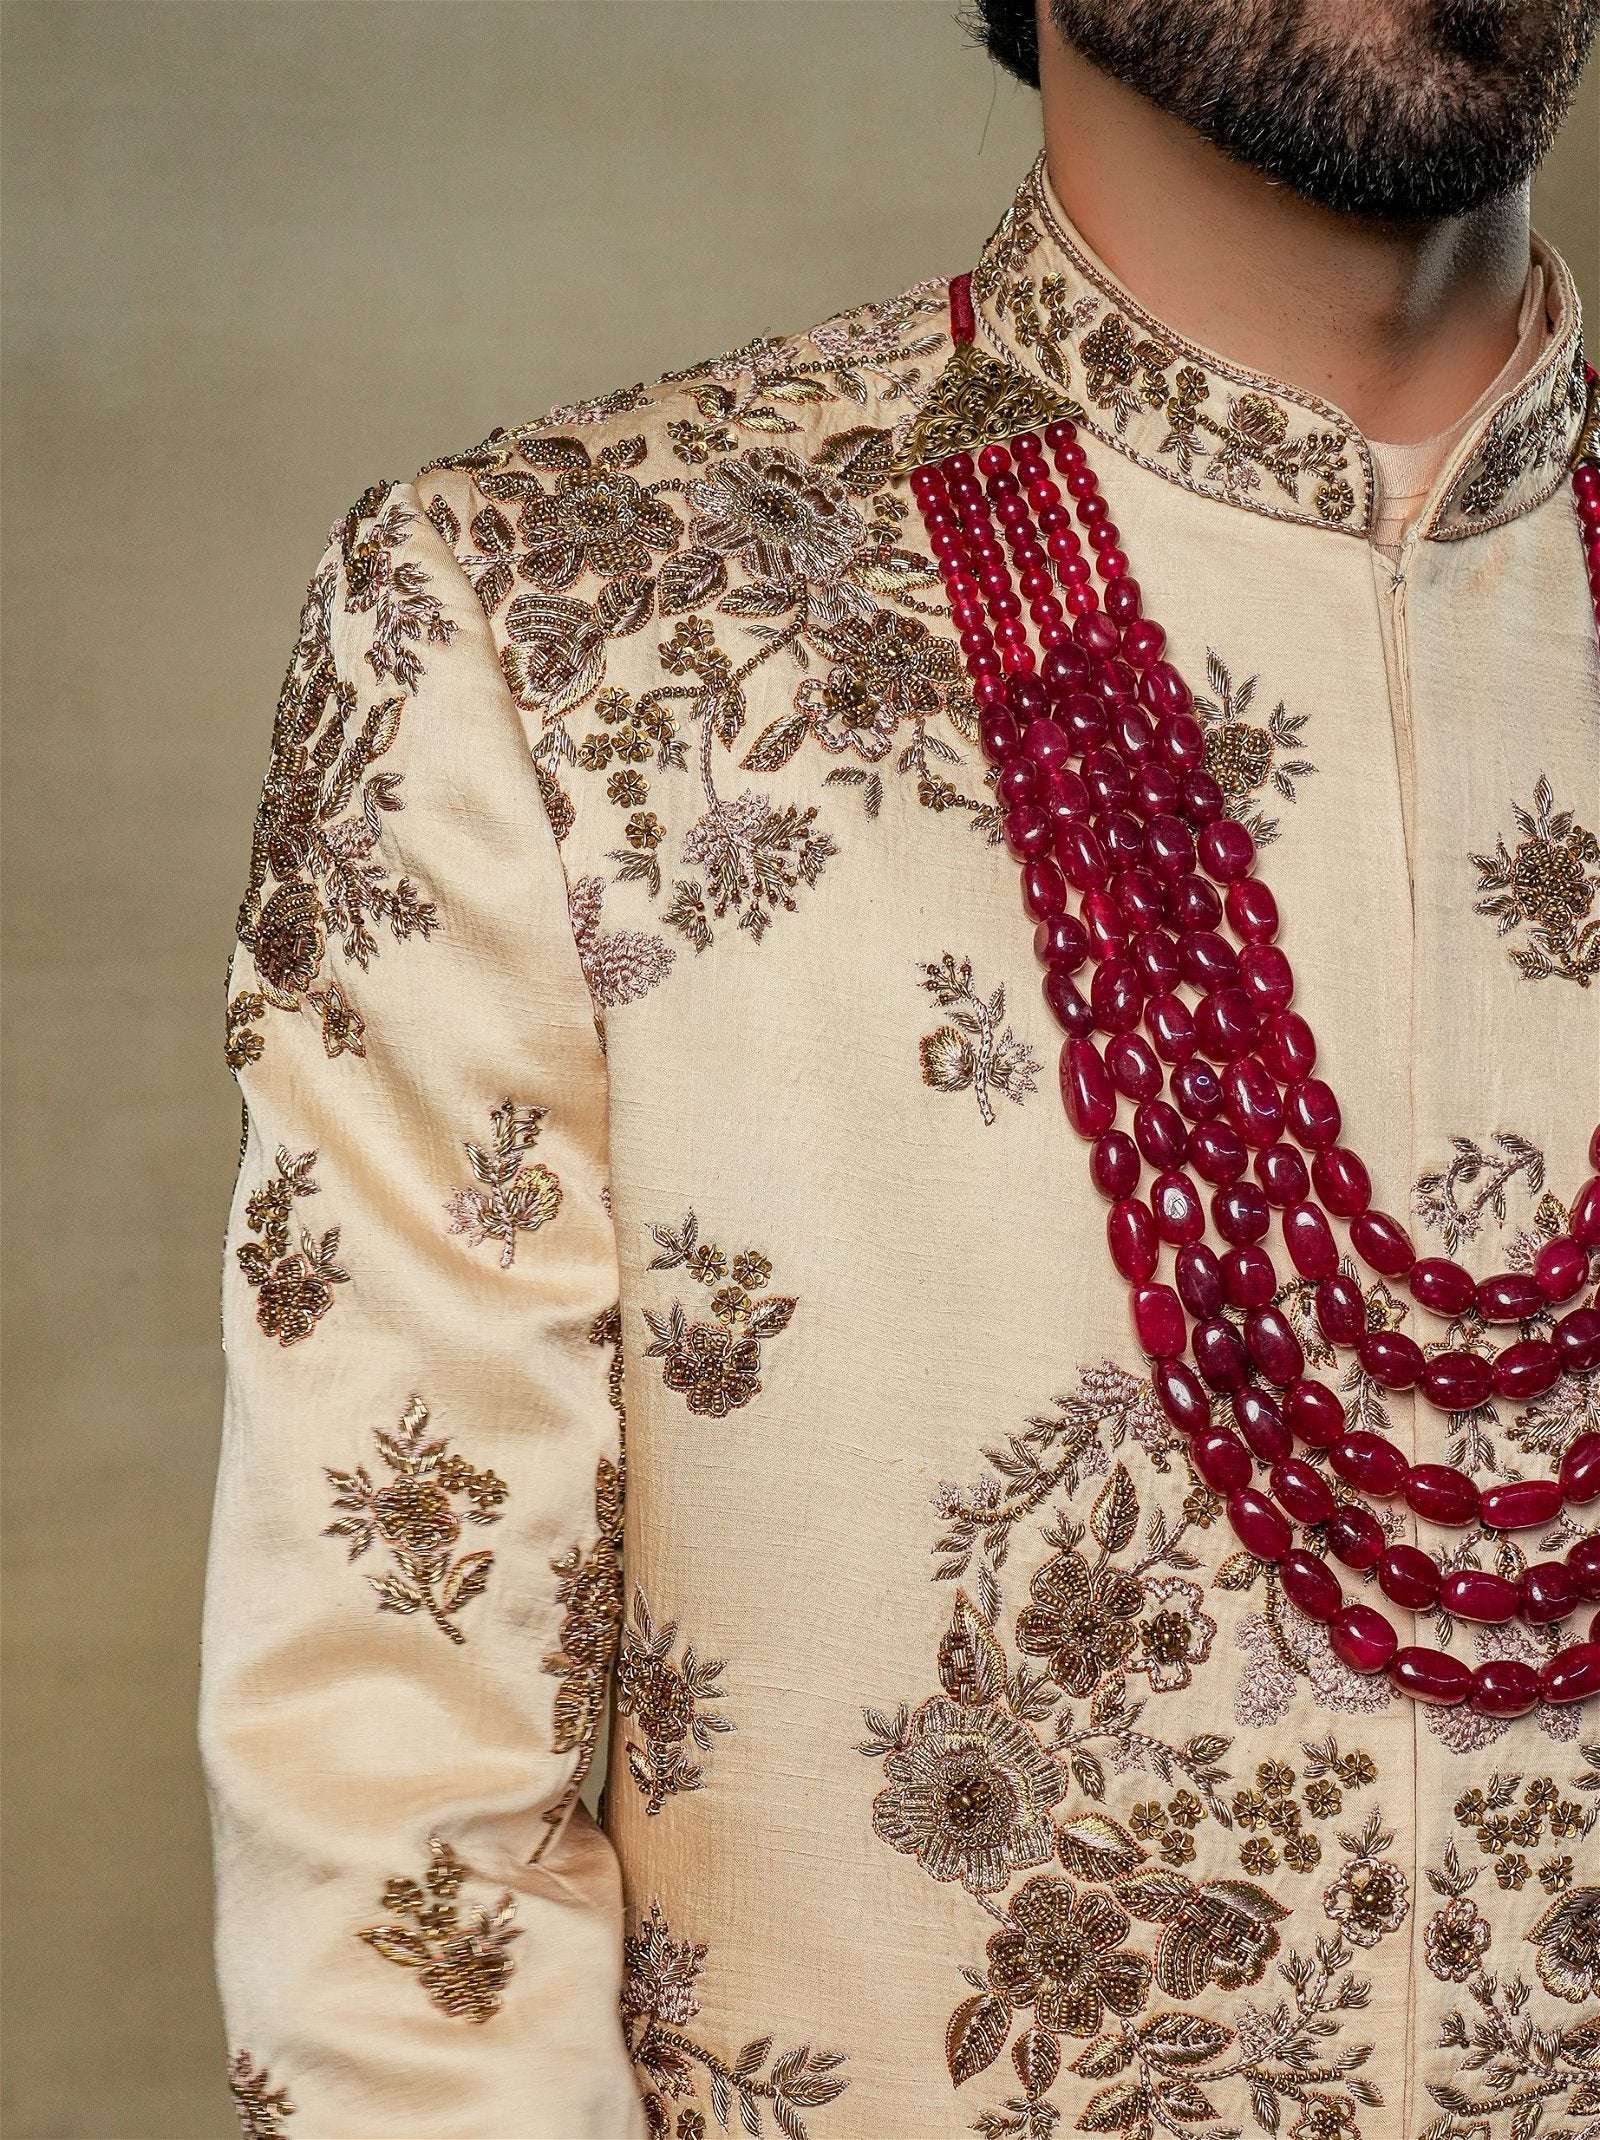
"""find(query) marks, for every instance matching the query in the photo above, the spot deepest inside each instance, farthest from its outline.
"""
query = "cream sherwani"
(642, 1047)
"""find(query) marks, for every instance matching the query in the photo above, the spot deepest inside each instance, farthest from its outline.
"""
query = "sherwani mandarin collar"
(1046, 307)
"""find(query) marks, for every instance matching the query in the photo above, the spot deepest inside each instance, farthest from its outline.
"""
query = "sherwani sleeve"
(414, 1566)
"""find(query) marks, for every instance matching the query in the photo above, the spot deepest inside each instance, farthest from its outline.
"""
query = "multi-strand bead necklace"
(1100, 767)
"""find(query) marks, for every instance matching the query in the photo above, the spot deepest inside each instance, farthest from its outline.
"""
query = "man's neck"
(1402, 327)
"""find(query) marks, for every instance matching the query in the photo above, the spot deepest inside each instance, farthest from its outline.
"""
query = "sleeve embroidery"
(463, 1963)
(262, 2108)
(715, 1364)
(417, 1518)
(294, 1287)
(513, 1194)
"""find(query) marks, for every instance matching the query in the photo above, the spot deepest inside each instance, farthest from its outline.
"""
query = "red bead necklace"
(1100, 766)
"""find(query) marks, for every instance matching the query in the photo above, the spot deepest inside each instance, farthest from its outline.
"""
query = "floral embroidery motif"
(1244, 758)
(619, 965)
(973, 1051)
(416, 1517)
(658, 2004)
(513, 1195)
(1511, 2066)
(715, 1364)
(314, 868)
(262, 2108)
(1277, 1819)
(1371, 1895)
(294, 1287)
(663, 1698)
(462, 1963)
(1169, 406)
(1535, 432)
(589, 1592)
(1438, 1197)
(1548, 887)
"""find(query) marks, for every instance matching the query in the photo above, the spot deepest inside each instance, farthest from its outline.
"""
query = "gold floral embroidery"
(589, 1591)
(1370, 1895)
(1547, 886)
(416, 1517)
(658, 2004)
(513, 1195)
(1511, 2065)
(314, 869)
(973, 1051)
(1244, 758)
(664, 1699)
(262, 2108)
(1533, 433)
(294, 1287)
(715, 1364)
(976, 401)
(619, 965)
(463, 1964)
(1439, 1197)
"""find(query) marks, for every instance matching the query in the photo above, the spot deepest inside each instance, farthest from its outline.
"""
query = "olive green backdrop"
(261, 253)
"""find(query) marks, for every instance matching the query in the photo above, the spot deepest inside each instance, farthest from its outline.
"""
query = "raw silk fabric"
(642, 1044)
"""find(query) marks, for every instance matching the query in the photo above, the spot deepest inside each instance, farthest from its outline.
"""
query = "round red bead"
(1310, 1584)
(1249, 1277)
(1383, 1242)
(1549, 1591)
(1301, 1490)
(1583, 1560)
(1289, 1046)
(1409, 1576)
(1505, 1686)
(1510, 1297)
(1577, 1339)
(1114, 1164)
(1442, 1494)
(1526, 1369)
(1341, 1181)
(1282, 1173)
(1580, 1470)
(1312, 1112)
(1561, 1266)
(1341, 1310)
(1431, 1676)
(1393, 1360)
(1221, 1459)
(1198, 1277)
(1457, 1381)
(1220, 1355)
(1354, 1536)
(1176, 1206)
(1313, 1414)
(1441, 1285)
(1260, 1527)
(1362, 1638)
(1227, 849)
(1573, 1674)
(1371, 1462)
(1584, 1222)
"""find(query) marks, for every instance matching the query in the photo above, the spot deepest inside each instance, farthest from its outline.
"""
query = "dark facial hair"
(1422, 110)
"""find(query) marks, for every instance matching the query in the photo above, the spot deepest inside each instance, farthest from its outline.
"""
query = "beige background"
(261, 253)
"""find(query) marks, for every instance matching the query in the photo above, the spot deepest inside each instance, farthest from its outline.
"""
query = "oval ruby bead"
(1393, 1360)
(1526, 1369)
(1193, 903)
(1505, 1686)
(1409, 1576)
(1475, 1594)
(1138, 893)
(1583, 1561)
(1431, 1676)
(1068, 1004)
(1169, 845)
(1170, 1024)
(1217, 1153)
(1282, 1174)
(1221, 1459)
(1196, 1089)
(1260, 1421)
(1572, 1674)
(1509, 1297)
(1442, 1285)
(1548, 1591)
(1309, 1240)
(1027, 831)
(1273, 1346)
(1259, 1527)
(1198, 1277)
(1312, 1112)
(1087, 1092)
(1313, 1414)
(1441, 1494)
(1265, 974)
(1227, 850)
(1252, 1099)
(1156, 956)
(1114, 1163)
(1159, 1319)
(1220, 1355)
(1159, 1132)
(1080, 854)
(1362, 1638)
(1249, 1277)
(1584, 1223)
(1061, 940)
(1116, 995)
(1561, 1267)
(1310, 1584)
(999, 734)
(1252, 911)
(1044, 889)
(1577, 1338)
(1355, 1536)
(1457, 1381)
(1227, 1025)
(1181, 1395)
(1301, 1491)
(1175, 1204)
(1370, 1461)
(1207, 960)
(1383, 1242)
(1105, 775)
(1579, 1477)
(1046, 742)
(1520, 1505)
(1133, 1241)
(1200, 799)
(1179, 737)
(1288, 1046)
(1341, 1310)
(1134, 1068)
(1241, 1213)
(1104, 920)
(1341, 1181)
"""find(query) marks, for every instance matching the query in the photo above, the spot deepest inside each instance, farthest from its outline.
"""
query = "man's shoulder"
(864, 371)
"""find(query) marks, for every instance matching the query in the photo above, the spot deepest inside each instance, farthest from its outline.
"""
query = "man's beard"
(1406, 110)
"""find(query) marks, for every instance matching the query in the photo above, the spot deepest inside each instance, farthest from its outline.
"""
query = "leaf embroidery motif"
(294, 1287)
(462, 1963)
(513, 1195)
